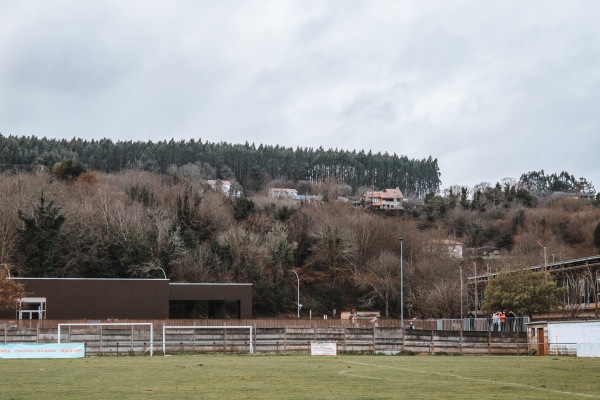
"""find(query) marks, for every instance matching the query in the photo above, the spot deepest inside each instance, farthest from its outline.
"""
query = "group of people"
(501, 321)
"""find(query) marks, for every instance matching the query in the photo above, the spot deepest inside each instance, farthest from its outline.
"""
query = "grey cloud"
(491, 89)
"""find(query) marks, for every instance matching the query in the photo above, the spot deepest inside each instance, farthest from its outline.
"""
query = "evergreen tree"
(525, 292)
(597, 236)
(68, 170)
(250, 165)
(38, 239)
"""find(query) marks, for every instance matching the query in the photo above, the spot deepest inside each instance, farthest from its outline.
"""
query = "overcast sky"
(492, 89)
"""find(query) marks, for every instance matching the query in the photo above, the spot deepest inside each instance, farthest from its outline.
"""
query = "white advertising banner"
(323, 349)
(42, 350)
(588, 350)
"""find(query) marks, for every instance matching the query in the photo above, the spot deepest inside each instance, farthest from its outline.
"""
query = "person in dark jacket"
(511, 318)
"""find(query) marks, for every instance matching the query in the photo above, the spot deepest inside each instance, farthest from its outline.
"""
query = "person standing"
(511, 318)
(495, 321)
(502, 318)
(471, 318)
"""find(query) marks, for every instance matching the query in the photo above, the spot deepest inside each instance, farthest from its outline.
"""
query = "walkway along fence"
(466, 324)
(191, 337)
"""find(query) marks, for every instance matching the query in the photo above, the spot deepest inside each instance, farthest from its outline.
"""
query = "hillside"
(133, 223)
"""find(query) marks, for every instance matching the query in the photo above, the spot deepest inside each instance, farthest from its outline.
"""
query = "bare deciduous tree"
(381, 281)
(10, 291)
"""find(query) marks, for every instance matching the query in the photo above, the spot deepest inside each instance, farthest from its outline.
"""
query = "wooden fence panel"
(292, 338)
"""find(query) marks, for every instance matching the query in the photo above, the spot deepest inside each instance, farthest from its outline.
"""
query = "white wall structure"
(581, 338)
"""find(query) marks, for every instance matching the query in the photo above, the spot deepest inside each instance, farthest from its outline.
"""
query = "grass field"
(302, 377)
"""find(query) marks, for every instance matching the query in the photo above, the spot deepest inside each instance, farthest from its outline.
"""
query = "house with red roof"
(387, 199)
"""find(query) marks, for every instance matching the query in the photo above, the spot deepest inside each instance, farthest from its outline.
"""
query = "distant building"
(387, 199)
(216, 184)
(487, 251)
(223, 186)
(450, 247)
(282, 193)
(581, 195)
(292, 194)
(579, 278)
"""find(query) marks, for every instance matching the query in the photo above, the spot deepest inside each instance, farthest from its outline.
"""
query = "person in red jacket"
(502, 318)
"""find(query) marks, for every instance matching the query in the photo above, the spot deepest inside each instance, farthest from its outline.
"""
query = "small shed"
(581, 338)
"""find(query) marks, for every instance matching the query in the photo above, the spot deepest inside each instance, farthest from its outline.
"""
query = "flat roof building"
(77, 298)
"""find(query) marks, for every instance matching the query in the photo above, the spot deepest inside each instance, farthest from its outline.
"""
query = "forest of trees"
(70, 221)
(250, 166)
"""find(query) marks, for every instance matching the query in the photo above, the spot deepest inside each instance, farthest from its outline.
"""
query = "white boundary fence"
(101, 325)
(190, 337)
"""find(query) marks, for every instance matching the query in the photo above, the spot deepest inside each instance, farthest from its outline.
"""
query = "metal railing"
(448, 324)
(473, 324)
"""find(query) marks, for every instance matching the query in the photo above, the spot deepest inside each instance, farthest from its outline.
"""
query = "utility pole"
(476, 295)
(298, 280)
(401, 286)
(461, 293)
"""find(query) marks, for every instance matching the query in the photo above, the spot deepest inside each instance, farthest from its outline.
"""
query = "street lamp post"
(461, 293)
(298, 280)
(401, 285)
(545, 255)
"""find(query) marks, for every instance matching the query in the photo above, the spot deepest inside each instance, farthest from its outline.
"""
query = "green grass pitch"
(207, 376)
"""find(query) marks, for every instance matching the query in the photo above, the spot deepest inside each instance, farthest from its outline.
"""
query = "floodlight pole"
(401, 285)
(298, 280)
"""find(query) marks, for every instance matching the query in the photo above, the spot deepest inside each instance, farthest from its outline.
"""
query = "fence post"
(403, 337)
(489, 342)
(374, 338)
(431, 346)
(461, 338)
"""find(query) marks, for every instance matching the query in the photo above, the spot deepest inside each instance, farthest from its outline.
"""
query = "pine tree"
(38, 239)
(597, 236)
